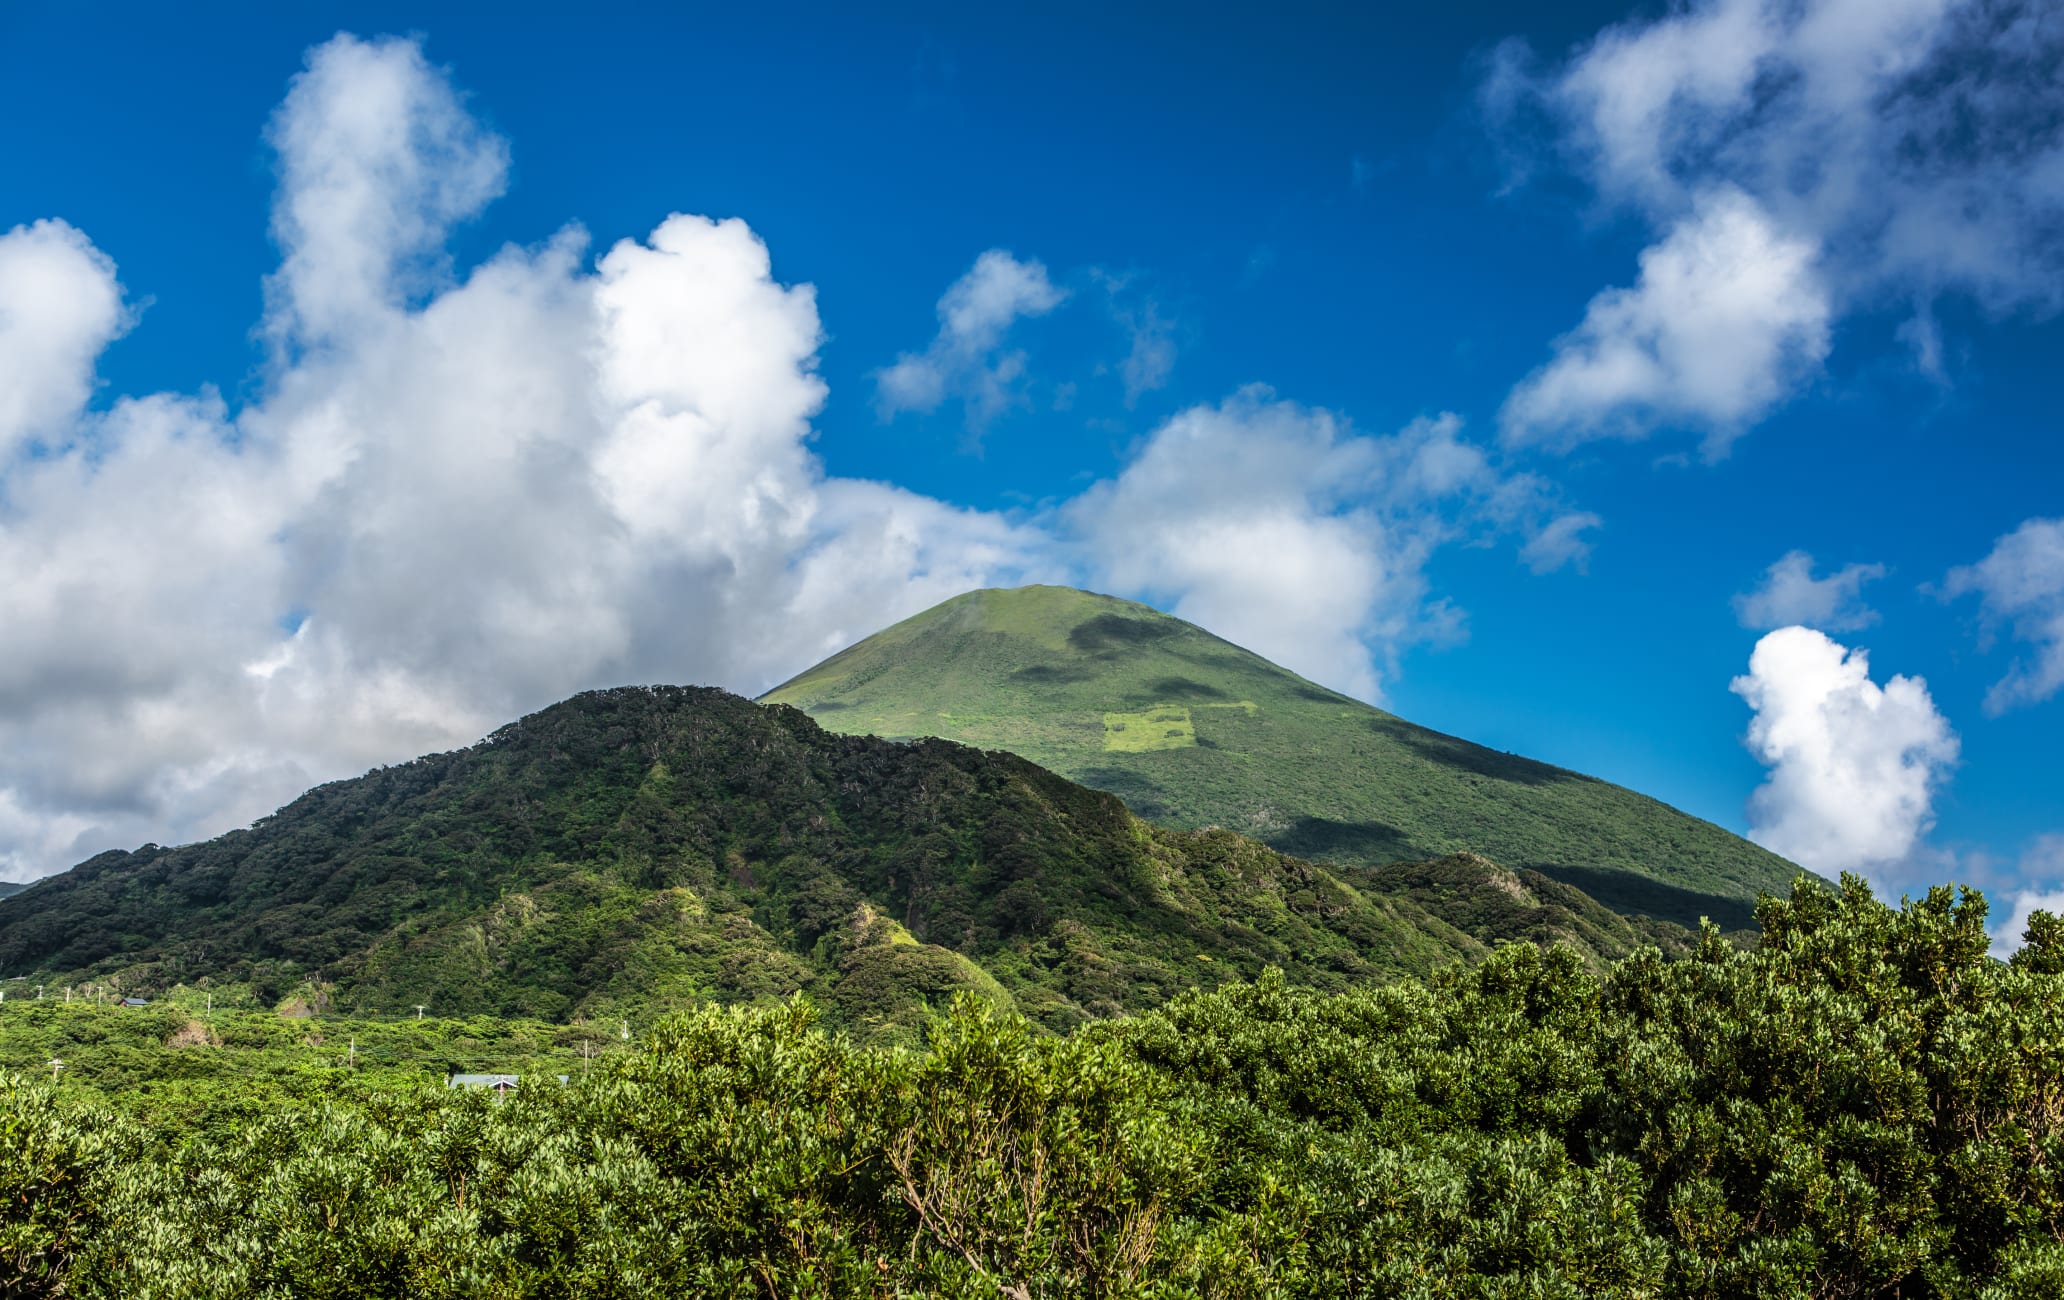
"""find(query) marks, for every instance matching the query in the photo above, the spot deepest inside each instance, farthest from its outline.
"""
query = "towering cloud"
(463, 492)
(378, 159)
(1854, 766)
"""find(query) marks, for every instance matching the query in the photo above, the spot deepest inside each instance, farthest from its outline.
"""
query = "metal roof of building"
(481, 1081)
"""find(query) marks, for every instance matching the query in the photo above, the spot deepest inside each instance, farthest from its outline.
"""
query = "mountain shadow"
(1627, 892)
(1327, 840)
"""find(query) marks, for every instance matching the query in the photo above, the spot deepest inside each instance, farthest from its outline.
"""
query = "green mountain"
(647, 847)
(1194, 731)
(9, 887)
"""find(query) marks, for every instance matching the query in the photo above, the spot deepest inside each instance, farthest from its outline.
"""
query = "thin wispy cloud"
(968, 360)
(1789, 594)
(2020, 587)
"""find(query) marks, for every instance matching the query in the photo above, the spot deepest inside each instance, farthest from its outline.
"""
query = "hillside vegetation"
(187, 1067)
(1193, 731)
(1866, 1106)
(649, 848)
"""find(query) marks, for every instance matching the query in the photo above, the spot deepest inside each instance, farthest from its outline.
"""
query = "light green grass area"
(193, 1064)
(1167, 727)
(1041, 671)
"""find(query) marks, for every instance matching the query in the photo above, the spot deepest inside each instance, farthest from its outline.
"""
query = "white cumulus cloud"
(60, 305)
(1789, 594)
(1854, 766)
(1287, 531)
(967, 359)
(2020, 585)
(1877, 153)
(1727, 316)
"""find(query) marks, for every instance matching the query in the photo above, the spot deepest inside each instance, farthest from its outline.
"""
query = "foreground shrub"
(1867, 1105)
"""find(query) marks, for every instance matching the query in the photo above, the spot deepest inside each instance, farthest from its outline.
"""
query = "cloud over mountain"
(461, 492)
(460, 495)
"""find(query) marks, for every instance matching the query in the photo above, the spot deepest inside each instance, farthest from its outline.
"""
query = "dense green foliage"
(1866, 1106)
(1193, 731)
(649, 848)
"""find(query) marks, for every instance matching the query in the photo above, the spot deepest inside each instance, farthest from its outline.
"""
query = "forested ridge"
(1865, 1105)
(637, 849)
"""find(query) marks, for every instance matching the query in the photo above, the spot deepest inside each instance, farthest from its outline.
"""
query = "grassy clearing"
(1168, 727)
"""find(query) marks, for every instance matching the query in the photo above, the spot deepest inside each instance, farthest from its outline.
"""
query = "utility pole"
(625, 1032)
(587, 1053)
(39, 993)
(419, 1010)
(55, 1066)
(351, 1057)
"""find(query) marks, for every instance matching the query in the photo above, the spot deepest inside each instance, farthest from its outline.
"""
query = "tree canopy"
(1865, 1105)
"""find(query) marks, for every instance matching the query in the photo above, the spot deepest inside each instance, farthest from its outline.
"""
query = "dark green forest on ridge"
(646, 848)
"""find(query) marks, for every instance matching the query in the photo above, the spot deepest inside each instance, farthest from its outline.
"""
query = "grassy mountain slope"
(664, 846)
(10, 887)
(1193, 731)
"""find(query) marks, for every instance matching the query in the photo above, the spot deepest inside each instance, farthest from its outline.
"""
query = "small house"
(135, 1002)
(503, 1084)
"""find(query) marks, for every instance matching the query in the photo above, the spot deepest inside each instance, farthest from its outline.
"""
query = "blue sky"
(1821, 320)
